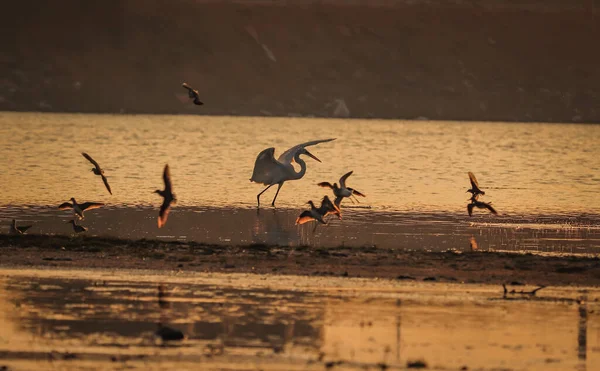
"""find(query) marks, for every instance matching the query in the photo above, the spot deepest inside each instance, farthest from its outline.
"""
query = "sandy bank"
(473, 267)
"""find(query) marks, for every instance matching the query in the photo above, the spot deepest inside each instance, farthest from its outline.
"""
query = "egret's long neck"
(299, 161)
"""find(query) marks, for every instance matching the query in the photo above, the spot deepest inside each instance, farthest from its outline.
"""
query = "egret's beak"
(313, 156)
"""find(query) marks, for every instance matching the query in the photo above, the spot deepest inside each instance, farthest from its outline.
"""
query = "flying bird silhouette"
(475, 191)
(269, 171)
(168, 198)
(480, 205)
(18, 230)
(341, 191)
(78, 209)
(97, 170)
(192, 93)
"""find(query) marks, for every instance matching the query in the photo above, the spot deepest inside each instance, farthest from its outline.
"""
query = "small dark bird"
(168, 334)
(78, 209)
(192, 93)
(475, 191)
(317, 214)
(168, 198)
(76, 227)
(342, 191)
(18, 230)
(97, 170)
(480, 205)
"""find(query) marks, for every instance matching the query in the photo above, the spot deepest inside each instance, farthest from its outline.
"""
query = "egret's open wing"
(267, 170)
(90, 159)
(343, 179)
(288, 156)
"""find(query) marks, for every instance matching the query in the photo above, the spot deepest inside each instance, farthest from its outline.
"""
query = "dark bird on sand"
(168, 198)
(168, 334)
(317, 214)
(480, 205)
(18, 230)
(475, 190)
(270, 171)
(97, 170)
(192, 93)
(78, 209)
(342, 191)
(76, 227)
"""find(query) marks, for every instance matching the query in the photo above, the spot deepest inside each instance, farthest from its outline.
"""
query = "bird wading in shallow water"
(76, 227)
(269, 171)
(97, 170)
(78, 209)
(168, 198)
(18, 230)
(341, 191)
(317, 214)
(475, 191)
(193, 94)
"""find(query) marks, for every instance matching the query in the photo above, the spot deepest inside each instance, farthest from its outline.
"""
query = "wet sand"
(366, 262)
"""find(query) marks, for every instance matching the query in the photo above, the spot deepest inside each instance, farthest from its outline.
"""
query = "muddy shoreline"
(367, 262)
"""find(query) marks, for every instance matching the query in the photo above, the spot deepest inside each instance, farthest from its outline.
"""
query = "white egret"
(269, 171)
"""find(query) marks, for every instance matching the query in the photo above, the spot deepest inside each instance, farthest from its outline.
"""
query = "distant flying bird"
(475, 191)
(78, 209)
(97, 170)
(192, 93)
(18, 230)
(76, 227)
(168, 198)
(341, 191)
(480, 205)
(269, 171)
(317, 214)
(168, 334)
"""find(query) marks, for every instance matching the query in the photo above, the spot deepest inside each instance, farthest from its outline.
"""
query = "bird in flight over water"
(78, 209)
(18, 230)
(341, 191)
(480, 205)
(193, 94)
(76, 227)
(269, 171)
(168, 198)
(317, 214)
(97, 170)
(475, 191)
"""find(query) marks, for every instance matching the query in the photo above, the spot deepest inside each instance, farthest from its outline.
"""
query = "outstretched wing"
(90, 159)
(288, 156)
(305, 217)
(325, 184)
(90, 205)
(106, 184)
(470, 208)
(474, 183)
(197, 101)
(490, 208)
(267, 170)
(65, 206)
(167, 179)
(343, 179)
(163, 214)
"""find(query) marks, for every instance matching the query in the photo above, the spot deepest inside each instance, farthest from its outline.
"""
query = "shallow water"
(544, 179)
(237, 321)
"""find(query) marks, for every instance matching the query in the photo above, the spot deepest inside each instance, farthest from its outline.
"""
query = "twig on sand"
(513, 291)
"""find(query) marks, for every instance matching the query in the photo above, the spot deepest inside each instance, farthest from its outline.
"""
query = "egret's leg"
(278, 188)
(258, 196)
